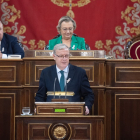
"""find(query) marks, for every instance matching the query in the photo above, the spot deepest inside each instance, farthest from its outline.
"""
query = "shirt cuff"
(4, 56)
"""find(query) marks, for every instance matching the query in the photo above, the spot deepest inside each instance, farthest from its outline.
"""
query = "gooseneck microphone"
(65, 88)
(66, 82)
(54, 86)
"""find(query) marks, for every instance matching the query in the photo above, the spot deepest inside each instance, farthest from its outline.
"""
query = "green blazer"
(77, 43)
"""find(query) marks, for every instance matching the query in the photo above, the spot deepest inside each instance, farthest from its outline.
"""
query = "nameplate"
(59, 93)
(74, 53)
(43, 53)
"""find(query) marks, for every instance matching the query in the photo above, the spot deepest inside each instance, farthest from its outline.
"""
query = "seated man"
(9, 44)
(76, 78)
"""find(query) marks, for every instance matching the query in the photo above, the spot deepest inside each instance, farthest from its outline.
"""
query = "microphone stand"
(54, 87)
(66, 89)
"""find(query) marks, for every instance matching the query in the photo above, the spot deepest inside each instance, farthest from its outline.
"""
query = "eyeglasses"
(62, 56)
(65, 29)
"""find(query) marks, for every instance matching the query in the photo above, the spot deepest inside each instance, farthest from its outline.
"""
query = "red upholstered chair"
(134, 50)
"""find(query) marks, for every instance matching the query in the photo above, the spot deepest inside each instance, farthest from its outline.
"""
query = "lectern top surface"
(45, 103)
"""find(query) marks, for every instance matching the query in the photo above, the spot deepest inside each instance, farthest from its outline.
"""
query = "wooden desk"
(39, 127)
(116, 85)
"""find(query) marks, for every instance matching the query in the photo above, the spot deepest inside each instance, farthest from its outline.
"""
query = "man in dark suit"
(75, 79)
(9, 44)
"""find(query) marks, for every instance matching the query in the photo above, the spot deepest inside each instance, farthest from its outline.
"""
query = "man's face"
(66, 30)
(61, 58)
(1, 31)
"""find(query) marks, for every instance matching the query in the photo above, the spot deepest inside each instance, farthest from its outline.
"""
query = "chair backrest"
(47, 46)
(134, 50)
(131, 47)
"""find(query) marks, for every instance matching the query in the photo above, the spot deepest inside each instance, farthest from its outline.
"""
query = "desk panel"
(45, 127)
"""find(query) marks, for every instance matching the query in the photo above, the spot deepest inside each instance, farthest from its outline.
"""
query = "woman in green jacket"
(65, 28)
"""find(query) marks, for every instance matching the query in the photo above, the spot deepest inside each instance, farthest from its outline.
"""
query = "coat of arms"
(70, 4)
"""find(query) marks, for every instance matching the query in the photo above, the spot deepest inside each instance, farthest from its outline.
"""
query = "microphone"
(66, 89)
(54, 86)
(66, 82)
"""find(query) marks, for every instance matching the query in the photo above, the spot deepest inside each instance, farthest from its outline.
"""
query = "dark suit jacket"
(79, 84)
(10, 45)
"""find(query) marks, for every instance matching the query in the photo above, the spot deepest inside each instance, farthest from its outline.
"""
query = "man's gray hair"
(59, 47)
(66, 19)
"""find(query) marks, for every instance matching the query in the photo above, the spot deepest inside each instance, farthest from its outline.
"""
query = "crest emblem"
(70, 4)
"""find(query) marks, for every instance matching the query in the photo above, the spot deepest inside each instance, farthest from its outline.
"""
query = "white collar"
(65, 70)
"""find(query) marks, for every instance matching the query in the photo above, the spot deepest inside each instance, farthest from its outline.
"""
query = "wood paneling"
(122, 113)
(126, 111)
(122, 73)
(111, 81)
(11, 72)
(7, 116)
(39, 127)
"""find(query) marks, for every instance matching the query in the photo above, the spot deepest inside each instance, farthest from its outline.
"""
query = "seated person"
(76, 78)
(9, 44)
(65, 28)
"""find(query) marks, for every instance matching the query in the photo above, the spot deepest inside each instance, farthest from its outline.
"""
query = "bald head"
(1, 30)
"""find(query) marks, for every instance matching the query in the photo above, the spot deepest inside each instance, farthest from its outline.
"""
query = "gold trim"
(136, 52)
(69, 127)
(60, 93)
(39, 69)
(126, 71)
(131, 47)
(14, 74)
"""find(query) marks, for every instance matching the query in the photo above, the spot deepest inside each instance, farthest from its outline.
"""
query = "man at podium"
(65, 77)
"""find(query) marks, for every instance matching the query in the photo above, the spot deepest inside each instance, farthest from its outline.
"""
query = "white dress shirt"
(66, 71)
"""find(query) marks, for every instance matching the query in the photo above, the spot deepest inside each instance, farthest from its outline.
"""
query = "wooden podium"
(59, 121)
(59, 108)
(59, 127)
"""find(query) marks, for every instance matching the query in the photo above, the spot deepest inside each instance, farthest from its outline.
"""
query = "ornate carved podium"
(59, 127)
(59, 121)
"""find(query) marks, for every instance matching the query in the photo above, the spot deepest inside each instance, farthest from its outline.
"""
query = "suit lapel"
(54, 75)
(4, 44)
(70, 75)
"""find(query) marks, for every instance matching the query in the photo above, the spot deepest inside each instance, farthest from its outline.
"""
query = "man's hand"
(86, 110)
(35, 111)
(0, 54)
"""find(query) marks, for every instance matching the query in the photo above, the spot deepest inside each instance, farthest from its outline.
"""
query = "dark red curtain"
(105, 24)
